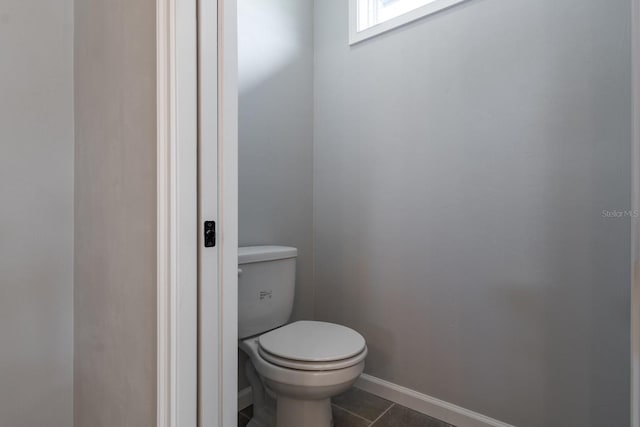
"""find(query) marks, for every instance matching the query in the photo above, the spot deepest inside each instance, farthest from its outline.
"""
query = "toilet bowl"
(298, 365)
(303, 365)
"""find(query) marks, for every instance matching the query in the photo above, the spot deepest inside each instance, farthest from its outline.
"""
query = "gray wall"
(115, 211)
(461, 167)
(276, 131)
(276, 134)
(36, 213)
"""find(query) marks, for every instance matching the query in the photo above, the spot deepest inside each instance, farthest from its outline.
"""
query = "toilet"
(295, 367)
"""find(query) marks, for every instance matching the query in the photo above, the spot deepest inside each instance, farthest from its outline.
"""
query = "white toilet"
(302, 364)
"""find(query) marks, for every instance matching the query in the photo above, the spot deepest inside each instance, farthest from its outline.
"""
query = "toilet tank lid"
(249, 254)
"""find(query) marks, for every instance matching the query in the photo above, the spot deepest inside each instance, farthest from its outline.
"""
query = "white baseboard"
(419, 402)
(427, 405)
(245, 398)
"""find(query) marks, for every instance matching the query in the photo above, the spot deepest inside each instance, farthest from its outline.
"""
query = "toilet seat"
(313, 346)
(312, 366)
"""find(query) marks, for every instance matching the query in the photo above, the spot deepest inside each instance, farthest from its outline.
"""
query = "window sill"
(426, 10)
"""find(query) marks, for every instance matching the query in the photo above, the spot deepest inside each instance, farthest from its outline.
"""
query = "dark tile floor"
(357, 408)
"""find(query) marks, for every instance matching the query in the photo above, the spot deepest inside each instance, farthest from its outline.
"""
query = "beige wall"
(114, 299)
(36, 213)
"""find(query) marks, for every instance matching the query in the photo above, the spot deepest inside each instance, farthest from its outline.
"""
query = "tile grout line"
(352, 413)
(382, 414)
(369, 422)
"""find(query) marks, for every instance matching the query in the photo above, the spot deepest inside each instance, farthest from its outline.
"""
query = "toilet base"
(307, 413)
(302, 398)
(263, 404)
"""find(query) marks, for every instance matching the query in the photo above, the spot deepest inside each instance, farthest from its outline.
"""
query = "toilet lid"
(309, 341)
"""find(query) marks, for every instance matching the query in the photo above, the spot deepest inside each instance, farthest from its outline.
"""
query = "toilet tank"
(266, 286)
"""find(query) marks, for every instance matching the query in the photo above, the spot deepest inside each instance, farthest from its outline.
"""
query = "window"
(369, 18)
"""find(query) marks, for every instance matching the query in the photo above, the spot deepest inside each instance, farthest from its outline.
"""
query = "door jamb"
(177, 212)
(228, 204)
(218, 335)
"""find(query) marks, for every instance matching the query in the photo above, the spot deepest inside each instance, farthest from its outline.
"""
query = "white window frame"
(356, 36)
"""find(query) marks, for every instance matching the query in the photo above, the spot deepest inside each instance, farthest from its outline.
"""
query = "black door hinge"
(209, 234)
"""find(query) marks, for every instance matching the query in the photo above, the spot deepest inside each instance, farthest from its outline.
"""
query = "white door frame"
(218, 269)
(228, 207)
(177, 234)
(178, 225)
